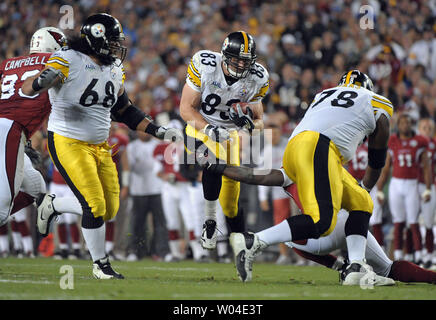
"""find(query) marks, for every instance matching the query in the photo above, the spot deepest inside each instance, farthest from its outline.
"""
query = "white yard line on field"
(239, 295)
(27, 281)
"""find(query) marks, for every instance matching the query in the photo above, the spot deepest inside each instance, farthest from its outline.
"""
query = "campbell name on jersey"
(206, 75)
(345, 114)
(81, 104)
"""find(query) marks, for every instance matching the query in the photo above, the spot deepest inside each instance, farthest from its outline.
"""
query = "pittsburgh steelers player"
(336, 122)
(215, 82)
(85, 86)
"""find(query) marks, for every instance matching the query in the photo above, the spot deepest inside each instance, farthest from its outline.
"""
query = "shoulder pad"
(259, 74)
(206, 61)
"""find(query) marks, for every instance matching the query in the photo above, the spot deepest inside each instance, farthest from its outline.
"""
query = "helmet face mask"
(356, 78)
(238, 68)
(104, 35)
(239, 54)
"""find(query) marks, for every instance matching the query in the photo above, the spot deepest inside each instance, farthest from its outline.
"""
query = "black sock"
(236, 224)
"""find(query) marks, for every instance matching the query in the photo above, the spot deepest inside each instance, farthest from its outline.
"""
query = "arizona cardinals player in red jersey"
(174, 199)
(357, 167)
(426, 128)
(406, 154)
(20, 117)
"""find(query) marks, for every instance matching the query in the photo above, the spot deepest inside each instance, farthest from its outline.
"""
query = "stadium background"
(305, 45)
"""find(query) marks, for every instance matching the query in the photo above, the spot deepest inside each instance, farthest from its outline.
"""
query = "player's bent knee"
(111, 211)
(97, 209)
(303, 227)
(91, 222)
(357, 223)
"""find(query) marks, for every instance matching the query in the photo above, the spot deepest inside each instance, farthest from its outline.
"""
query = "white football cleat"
(383, 281)
(46, 213)
(246, 246)
(209, 235)
(102, 269)
(358, 273)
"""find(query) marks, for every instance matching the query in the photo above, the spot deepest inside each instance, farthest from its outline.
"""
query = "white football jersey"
(345, 114)
(81, 105)
(206, 75)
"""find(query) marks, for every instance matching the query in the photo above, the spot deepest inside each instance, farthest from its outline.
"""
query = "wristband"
(151, 129)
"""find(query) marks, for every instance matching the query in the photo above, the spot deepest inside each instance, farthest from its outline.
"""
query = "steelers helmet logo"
(98, 30)
(225, 43)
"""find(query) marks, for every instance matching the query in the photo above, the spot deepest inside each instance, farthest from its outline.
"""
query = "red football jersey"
(431, 151)
(118, 142)
(170, 165)
(405, 155)
(357, 165)
(29, 111)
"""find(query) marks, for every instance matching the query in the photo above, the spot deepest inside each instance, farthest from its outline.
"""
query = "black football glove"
(241, 119)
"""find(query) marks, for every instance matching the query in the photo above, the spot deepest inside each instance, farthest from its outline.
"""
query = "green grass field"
(40, 278)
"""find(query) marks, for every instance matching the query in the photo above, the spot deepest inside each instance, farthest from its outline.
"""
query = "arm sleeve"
(381, 105)
(262, 91)
(121, 72)
(60, 60)
(193, 76)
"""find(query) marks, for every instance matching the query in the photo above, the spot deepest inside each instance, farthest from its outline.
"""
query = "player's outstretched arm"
(377, 151)
(124, 111)
(248, 175)
(47, 78)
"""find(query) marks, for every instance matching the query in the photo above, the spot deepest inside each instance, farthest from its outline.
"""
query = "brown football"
(243, 105)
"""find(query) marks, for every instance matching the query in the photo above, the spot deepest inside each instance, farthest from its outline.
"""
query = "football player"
(336, 122)
(175, 199)
(319, 250)
(215, 82)
(21, 116)
(406, 155)
(85, 82)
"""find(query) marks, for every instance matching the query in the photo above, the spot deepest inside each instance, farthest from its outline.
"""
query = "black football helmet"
(104, 34)
(357, 78)
(239, 53)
